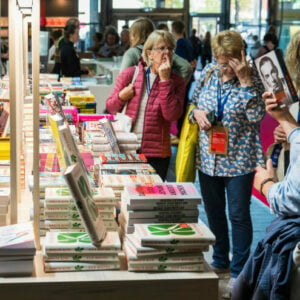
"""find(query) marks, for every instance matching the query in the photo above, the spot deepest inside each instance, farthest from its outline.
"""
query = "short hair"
(73, 21)
(112, 31)
(178, 27)
(155, 37)
(265, 60)
(270, 37)
(56, 34)
(228, 43)
(140, 30)
(162, 26)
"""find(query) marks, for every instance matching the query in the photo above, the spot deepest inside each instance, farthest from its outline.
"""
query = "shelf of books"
(96, 219)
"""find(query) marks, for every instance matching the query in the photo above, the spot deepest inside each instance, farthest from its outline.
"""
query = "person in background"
(206, 56)
(56, 34)
(268, 272)
(97, 39)
(139, 32)
(70, 62)
(255, 46)
(111, 43)
(196, 44)
(228, 111)
(154, 100)
(125, 42)
(60, 43)
(270, 43)
(163, 26)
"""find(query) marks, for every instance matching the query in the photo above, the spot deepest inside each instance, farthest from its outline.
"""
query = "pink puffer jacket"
(165, 104)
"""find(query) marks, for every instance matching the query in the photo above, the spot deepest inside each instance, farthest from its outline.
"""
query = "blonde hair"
(154, 38)
(227, 43)
(293, 59)
(140, 30)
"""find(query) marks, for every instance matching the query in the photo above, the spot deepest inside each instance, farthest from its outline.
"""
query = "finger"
(243, 56)
(270, 165)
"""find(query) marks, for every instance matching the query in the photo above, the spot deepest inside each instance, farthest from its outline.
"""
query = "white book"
(174, 234)
(80, 266)
(110, 135)
(105, 257)
(162, 258)
(82, 195)
(80, 242)
(160, 267)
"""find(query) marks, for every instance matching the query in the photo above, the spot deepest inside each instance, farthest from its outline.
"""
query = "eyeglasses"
(224, 66)
(164, 49)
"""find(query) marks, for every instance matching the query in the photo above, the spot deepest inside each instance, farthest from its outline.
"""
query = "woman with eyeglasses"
(153, 100)
(229, 110)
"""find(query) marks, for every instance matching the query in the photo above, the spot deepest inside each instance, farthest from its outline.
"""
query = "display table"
(110, 285)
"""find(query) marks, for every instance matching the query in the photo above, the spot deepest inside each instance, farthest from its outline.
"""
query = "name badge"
(218, 140)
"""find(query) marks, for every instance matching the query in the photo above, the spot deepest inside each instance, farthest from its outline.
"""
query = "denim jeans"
(238, 194)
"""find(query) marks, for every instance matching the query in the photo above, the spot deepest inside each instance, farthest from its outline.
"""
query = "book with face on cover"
(80, 188)
(276, 78)
(174, 234)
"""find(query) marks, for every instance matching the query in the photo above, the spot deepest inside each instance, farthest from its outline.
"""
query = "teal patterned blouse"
(243, 111)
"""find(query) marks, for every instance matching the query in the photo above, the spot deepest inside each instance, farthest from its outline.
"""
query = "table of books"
(110, 285)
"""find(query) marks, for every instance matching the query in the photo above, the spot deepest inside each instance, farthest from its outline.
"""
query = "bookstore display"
(96, 198)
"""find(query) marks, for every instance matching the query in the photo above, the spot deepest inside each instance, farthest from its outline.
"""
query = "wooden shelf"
(110, 285)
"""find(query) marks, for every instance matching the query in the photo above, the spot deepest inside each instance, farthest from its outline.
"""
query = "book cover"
(76, 178)
(276, 78)
(110, 158)
(4, 118)
(79, 242)
(110, 134)
(175, 233)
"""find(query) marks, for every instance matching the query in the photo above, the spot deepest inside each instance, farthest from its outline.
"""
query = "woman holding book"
(153, 100)
(229, 110)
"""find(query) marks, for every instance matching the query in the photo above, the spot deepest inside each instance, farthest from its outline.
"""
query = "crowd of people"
(230, 102)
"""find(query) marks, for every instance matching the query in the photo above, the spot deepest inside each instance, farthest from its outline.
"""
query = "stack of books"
(85, 104)
(74, 251)
(60, 211)
(158, 203)
(4, 206)
(168, 247)
(17, 250)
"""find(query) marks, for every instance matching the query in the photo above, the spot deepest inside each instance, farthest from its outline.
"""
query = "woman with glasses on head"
(229, 110)
(154, 99)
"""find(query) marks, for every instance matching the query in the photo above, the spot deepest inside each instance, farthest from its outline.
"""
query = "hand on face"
(241, 69)
(164, 70)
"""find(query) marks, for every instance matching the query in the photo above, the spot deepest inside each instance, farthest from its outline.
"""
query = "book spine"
(82, 257)
(169, 268)
(78, 267)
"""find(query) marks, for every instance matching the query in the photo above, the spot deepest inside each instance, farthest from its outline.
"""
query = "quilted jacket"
(165, 104)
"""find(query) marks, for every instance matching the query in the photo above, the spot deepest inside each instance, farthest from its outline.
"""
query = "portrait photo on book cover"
(272, 77)
(4, 113)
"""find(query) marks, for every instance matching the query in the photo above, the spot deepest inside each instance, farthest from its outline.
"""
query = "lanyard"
(148, 87)
(221, 101)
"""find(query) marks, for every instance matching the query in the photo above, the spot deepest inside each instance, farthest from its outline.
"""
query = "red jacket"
(165, 104)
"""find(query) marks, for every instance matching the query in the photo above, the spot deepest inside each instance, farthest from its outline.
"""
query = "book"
(16, 267)
(276, 78)
(4, 118)
(161, 267)
(110, 135)
(174, 234)
(79, 242)
(76, 178)
(80, 266)
(111, 158)
(141, 251)
(17, 239)
(105, 257)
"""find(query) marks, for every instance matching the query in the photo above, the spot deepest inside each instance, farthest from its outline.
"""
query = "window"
(205, 6)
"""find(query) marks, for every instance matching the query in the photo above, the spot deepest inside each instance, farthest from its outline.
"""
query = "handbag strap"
(135, 74)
